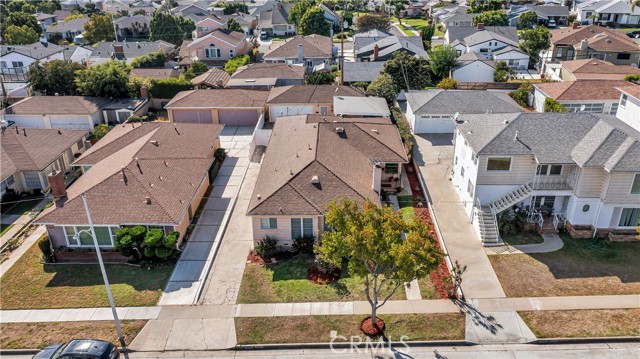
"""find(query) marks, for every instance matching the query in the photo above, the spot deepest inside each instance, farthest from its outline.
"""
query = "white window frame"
(620, 218)
(636, 178)
(24, 180)
(547, 171)
(212, 49)
(112, 236)
(510, 164)
(302, 232)
(623, 100)
(309, 63)
(266, 223)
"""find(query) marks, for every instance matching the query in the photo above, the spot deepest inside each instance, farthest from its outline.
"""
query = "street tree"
(442, 59)
(167, 28)
(528, 19)
(371, 240)
(367, 22)
(297, 11)
(398, 7)
(408, 72)
(110, 79)
(314, 22)
(533, 41)
(383, 86)
(54, 77)
(99, 28)
(491, 18)
(20, 35)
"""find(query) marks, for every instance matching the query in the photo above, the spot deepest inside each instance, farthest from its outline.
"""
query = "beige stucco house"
(214, 48)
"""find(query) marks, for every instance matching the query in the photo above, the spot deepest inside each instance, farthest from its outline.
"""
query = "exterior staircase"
(508, 200)
(488, 225)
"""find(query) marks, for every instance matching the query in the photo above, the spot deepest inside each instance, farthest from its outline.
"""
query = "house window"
(268, 223)
(104, 235)
(32, 179)
(499, 164)
(199, 28)
(462, 172)
(588, 107)
(623, 56)
(614, 108)
(635, 185)
(455, 160)
(630, 217)
(17, 64)
(206, 29)
(212, 52)
(309, 63)
(623, 101)
(475, 159)
(80, 144)
(512, 62)
(549, 170)
(7, 182)
(301, 227)
(230, 53)
(3, 64)
(470, 188)
(458, 53)
(391, 168)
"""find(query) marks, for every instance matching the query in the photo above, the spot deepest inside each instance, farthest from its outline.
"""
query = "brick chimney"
(56, 182)
(376, 51)
(144, 91)
(118, 50)
(300, 53)
(480, 26)
(376, 184)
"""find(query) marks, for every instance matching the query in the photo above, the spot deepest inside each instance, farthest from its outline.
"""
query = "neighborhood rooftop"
(312, 45)
(207, 98)
(448, 102)
(582, 90)
(57, 105)
(310, 93)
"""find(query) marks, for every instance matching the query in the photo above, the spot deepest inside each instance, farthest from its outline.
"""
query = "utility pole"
(342, 48)
(104, 276)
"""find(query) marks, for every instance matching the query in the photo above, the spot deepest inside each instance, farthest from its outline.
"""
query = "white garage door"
(192, 116)
(27, 121)
(435, 124)
(71, 122)
(238, 117)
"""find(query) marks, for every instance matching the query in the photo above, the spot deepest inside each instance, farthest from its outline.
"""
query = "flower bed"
(318, 276)
(441, 277)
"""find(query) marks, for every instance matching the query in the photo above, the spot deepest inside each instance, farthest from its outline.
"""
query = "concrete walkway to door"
(190, 273)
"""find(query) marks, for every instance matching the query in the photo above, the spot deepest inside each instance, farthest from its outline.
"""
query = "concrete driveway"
(190, 272)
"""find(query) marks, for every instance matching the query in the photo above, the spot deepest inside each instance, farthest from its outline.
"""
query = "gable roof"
(232, 38)
(155, 73)
(33, 149)
(471, 57)
(360, 106)
(461, 32)
(212, 98)
(313, 46)
(447, 102)
(37, 50)
(599, 38)
(260, 70)
(387, 46)
(277, 15)
(595, 69)
(582, 90)
(127, 21)
(74, 25)
(632, 90)
(343, 163)
(135, 181)
(106, 50)
(57, 105)
(479, 37)
(214, 77)
(362, 71)
(544, 11)
(308, 94)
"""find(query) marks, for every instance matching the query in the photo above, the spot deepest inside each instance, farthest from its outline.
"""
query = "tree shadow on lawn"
(582, 258)
(84, 275)
(296, 268)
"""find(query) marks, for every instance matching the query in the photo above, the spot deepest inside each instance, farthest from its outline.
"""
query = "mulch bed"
(320, 277)
(372, 330)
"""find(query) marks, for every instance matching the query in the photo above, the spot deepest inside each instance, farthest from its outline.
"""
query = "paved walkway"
(18, 252)
(434, 156)
(18, 222)
(552, 242)
(191, 270)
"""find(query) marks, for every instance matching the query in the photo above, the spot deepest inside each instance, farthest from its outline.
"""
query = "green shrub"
(232, 65)
(100, 131)
(521, 95)
(45, 249)
(137, 233)
(171, 240)
(168, 87)
(149, 252)
(154, 237)
(220, 154)
(10, 196)
(633, 78)
(448, 84)
(163, 252)
(154, 59)
(267, 247)
(304, 244)
(124, 242)
(321, 78)
(551, 105)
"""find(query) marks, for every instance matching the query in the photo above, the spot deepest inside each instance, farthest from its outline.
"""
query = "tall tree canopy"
(491, 18)
(442, 59)
(234, 7)
(371, 240)
(297, 11)
(234, 25)
(48, 7)
(367, 22)
(54, 77)
(20, 35)
(528, 19)
(154, 59)
(314, 22)
(20, 19)
(533, 41)
(99, 28)
(110, 79)
(398, 7)
(383, 86)
(478, 6)
(408, 72)
(173, 29)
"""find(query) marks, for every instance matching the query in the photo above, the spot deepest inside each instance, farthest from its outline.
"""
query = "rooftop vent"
(515, 137)
(147, 200)
(259, 197)
(340, 129)
(315, 180)
(155, 143)
(375, 131)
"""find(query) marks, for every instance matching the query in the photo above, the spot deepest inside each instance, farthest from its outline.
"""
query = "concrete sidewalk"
(18, 252)
(552, 242)
(434, 156)
(77, 314)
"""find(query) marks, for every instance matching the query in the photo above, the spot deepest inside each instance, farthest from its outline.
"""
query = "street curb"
(547, 341)
(35, 351)
(342, 345)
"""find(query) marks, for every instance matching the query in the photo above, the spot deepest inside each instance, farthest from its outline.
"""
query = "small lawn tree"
(442, 59)
(383, 86)
(368, 22)
(371, 239)
(503, 72)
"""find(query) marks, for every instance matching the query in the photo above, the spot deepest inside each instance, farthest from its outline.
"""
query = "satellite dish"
(4, 123)
(455, 116)
(582, 108)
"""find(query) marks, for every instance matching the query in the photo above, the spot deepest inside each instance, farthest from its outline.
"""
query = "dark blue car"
(80, 348)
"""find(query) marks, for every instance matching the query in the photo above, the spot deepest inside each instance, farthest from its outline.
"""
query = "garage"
(70, 122)
(27, 121)
(238, 117)
(192, 116)
(434, 124)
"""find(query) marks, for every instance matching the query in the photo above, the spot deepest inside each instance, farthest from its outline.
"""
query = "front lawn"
(23, 207)
(39, 335)
(583, 323)
(406, 207)
(286, 282)
(317, 328)
(523, 238)
(579, 268)
(4, 228)
(28, 284)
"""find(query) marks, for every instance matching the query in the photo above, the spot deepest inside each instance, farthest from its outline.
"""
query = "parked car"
(634, 34)
(79, 348)
(264, 35)
(551, 23)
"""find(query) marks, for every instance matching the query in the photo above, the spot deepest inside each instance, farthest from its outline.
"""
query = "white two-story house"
(574, 169)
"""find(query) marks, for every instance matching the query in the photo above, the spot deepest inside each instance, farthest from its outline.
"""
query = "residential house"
(330, 15)
(263, 76)
(77, 53)
(453, 16)
(629, 106)
(248, 22)
(310, 163)
(377, 45)
(155, 73)
(109, 50)
(305, 99)
(497, 43)
(30, 155)
(46, 19)
(576, 169)
(153, 174)
(198, 9)
(69, 5)
(133, 27)
(436, 111)
(362, 71)
(557, 14)
(275, 21)
(596, 96)
(61, 15)
(473, 67)
(585, 42)
(119, 110)
(69, 30)
(238, 107)
(607, 12)
(214, 48)
(360, 107)
(377, 6)
(208, 24)
(311, 50)
(214, 78)
(589, 69)
(15, 61)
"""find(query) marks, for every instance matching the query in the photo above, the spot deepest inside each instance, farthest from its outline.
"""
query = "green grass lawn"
(406, 207)
(31, 285)
(4, 228)
(628, 29)
(286, 282)
(583, 323)
(23, 206)
(317, 328)
(523, 238)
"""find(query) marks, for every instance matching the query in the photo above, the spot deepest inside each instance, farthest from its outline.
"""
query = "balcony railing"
(557, 183)
(14, 74)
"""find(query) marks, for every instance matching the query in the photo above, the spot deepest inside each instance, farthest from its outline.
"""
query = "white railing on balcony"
(559, 218)
(14, 74)
(558, 183)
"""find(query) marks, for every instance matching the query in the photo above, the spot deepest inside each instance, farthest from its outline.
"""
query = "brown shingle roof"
(312, 45)
(118, 184)
(310, 93)
(597, 69)
(57, 105)
(300, 149)
(214, 78)
(36, 150)
(633, 90)
(582, 90)
(269, 70)
(159, 73)
(599, 38)
(211, 98)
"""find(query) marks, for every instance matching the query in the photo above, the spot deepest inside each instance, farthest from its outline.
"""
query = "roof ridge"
(501, 131)
(300, 194)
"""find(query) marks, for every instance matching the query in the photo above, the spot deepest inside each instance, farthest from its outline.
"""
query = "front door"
(544, 203)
